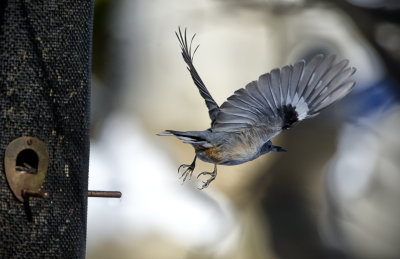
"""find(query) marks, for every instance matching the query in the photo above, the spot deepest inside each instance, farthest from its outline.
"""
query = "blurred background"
(334, 194)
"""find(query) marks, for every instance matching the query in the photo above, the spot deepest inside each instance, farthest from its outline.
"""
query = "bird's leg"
(213, 174)
(188, 171)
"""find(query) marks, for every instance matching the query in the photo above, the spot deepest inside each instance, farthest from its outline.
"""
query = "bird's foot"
(212, 175)
(188, 171)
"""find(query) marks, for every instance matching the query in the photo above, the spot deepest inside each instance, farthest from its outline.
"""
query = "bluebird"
(243, 126)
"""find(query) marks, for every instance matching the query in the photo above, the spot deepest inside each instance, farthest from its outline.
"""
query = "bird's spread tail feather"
(190, 137)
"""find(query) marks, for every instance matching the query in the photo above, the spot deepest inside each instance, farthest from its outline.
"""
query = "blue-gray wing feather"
(213, 108)
(283, 97)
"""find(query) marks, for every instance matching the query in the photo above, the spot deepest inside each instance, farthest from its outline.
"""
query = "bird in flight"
(243, 126)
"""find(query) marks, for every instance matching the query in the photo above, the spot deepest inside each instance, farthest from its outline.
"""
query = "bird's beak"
(278, 149)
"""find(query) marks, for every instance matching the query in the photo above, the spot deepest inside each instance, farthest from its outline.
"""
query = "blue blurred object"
(373, 99)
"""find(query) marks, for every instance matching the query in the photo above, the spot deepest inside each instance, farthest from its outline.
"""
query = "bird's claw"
(213, 175)
(188, 172)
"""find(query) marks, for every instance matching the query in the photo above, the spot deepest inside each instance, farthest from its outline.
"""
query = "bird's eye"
(268, 144)
(266, 147)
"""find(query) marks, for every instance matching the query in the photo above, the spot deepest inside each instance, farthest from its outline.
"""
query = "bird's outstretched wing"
(213, 108)
(283, 97)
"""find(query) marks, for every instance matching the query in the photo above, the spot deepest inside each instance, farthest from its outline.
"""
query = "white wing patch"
(302, 109)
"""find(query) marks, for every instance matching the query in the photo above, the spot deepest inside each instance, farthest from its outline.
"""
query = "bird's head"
(266, 148)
